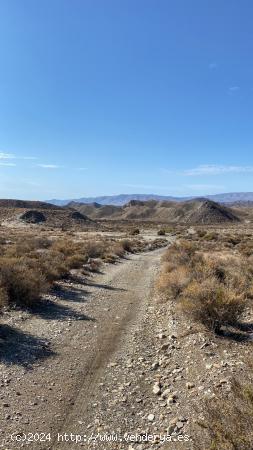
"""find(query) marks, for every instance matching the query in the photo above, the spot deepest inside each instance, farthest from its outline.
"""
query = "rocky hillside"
(200, 211)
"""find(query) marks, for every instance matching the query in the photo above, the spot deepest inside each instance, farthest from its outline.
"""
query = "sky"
(102, 97)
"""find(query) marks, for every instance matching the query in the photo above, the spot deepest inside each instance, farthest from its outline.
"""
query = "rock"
(161, 336)
(166, 393)
(179, 425)
(165, 346)
(157, 388)
(172, 398)
(190, 385)
(172, 337)
(182, 419)
(172, 425)
(151, 417)
(155, 365)
(223, 381)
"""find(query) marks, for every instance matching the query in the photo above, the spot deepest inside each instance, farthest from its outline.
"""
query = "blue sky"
(131, 96)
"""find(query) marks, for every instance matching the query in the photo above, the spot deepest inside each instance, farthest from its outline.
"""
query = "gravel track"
(73, 346)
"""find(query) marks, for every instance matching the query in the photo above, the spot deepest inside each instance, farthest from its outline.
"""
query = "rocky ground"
(109, 365)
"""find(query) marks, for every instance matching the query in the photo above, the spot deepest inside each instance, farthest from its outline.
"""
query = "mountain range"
(122, 199)
(198, 211)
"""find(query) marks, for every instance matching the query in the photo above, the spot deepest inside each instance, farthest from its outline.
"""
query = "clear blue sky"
(125, 96)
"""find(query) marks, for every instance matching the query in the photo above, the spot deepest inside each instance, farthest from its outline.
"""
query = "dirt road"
(76, 345)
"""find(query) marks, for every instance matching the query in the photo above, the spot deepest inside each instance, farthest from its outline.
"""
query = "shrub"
(212, 304)
(161, 232)
(210, 289)
(201, 233)
(172, 283)
(118, 250)
(75, 261)
(53, 266)
(27, 245)
(180, 253)
(67, 248)
(126, 245)
(22, 284)
(95, 249)
(212, 236)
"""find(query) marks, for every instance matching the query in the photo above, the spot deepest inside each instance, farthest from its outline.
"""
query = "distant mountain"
(117, 200)
(122, 199)
(232, 197)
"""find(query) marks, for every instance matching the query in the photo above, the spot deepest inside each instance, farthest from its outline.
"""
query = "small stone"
(155, 365)
(161, 336)
(165, 346)
(151, 417)
(166, 393)
(172, 425)
(157, 388)
(190, 385)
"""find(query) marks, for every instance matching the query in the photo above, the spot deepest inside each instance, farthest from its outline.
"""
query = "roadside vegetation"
(208, 275)
(29, 266)
(209, 283)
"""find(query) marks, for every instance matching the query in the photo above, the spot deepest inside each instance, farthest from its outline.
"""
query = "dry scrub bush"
(126, 245)
(246, 247)
(212, 303)
(173, 282)
(180, 253)
(118, 250)
(21, 284)
(27, 245)
(95, 249)
(75, 261)
(211, 291)
(212, 236)
(29, 266)
(229, 421)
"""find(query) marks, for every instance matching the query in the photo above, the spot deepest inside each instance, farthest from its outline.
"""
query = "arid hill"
(21, 213)
(199, 211)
